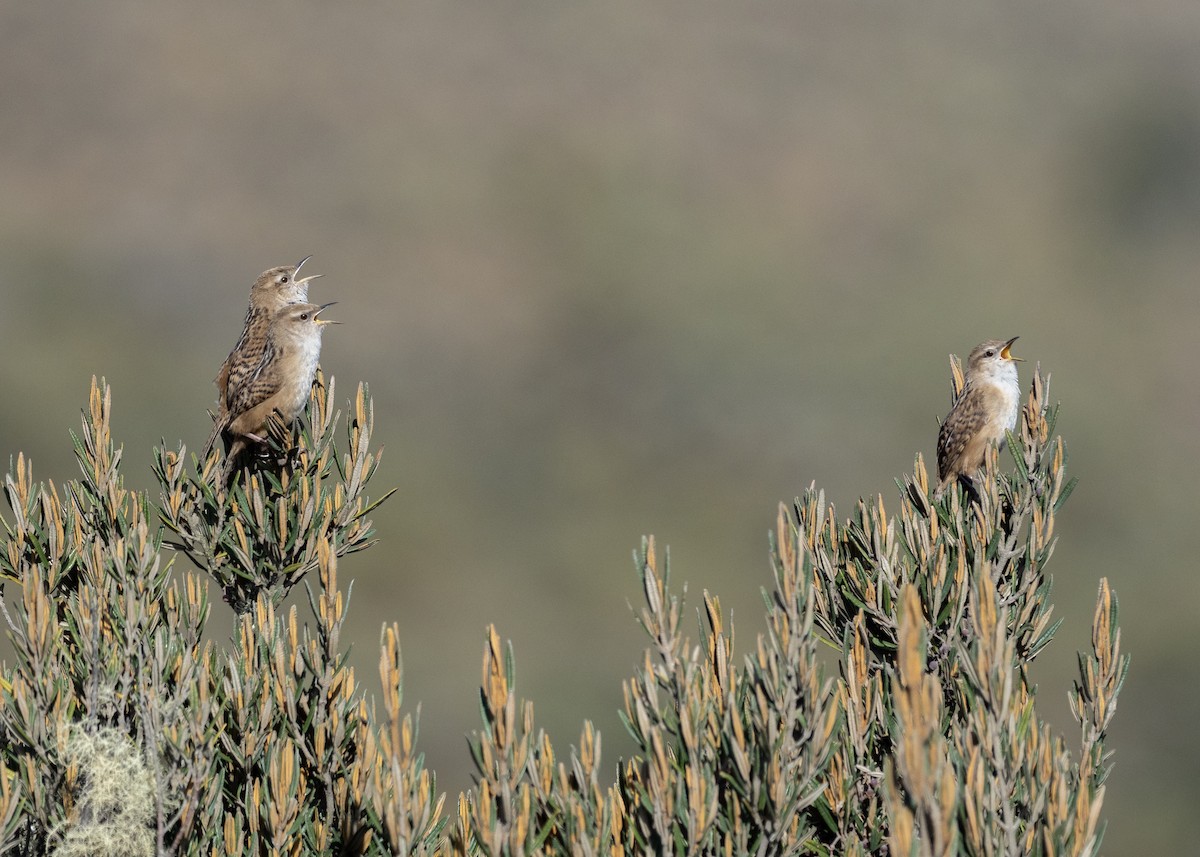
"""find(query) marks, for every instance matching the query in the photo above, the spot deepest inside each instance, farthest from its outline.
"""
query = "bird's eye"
(991, 352)
(304, 316)
(283, 278)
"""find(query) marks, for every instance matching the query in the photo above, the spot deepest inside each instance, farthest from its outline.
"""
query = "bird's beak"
(295, 274)
(1004, 352)
(322, 309)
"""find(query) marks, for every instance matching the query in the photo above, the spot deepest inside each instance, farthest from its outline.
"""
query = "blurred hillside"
(619, 268)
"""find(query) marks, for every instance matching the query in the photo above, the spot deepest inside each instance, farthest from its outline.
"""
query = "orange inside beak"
(1006, 354)
(320, 310)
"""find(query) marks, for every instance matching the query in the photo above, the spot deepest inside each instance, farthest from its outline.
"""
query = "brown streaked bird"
(274, 289)
(986, 407)
(281, 381)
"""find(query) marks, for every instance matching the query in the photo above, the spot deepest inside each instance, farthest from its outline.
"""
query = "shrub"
(886, 708)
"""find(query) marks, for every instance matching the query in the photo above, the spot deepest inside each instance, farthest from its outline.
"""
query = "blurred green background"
(623, 267)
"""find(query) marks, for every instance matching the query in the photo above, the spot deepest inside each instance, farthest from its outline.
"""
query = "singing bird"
(986, 407)
(280, 382)
(274, 289)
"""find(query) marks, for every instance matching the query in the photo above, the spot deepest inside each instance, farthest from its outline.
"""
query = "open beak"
(1006, 354)
(322, 309)
(296, 274)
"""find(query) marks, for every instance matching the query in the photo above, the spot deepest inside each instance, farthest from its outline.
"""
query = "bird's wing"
(961, 433)
(264, 367)
(246, 354)
(260, 385)
(231, 386)
(252, 420)
(222, 379)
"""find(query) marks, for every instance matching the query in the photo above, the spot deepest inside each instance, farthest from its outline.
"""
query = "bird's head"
(283, 285)
(305, 316)
(995, 351)
(993, 360)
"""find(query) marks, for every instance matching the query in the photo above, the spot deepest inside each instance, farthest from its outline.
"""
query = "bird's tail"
(218, 428)
(231, 457)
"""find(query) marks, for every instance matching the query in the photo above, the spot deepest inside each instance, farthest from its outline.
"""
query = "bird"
(281, 380)
(986, 407)
(274, 289)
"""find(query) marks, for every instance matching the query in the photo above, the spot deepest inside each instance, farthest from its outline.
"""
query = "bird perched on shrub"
(986, 407)
(274, 289)
(281, 381)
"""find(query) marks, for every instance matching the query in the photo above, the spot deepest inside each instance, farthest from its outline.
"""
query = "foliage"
(886, 708)
(261, 533)
(264, 746)
(926, 743)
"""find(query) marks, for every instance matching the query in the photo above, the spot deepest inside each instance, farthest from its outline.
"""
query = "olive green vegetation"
(125, 732)
(621, 268)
